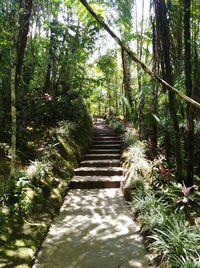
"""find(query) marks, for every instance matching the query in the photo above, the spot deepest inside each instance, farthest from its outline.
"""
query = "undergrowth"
(27, 209)
(166, 210)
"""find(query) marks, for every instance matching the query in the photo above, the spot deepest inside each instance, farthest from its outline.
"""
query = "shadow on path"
(93, 230)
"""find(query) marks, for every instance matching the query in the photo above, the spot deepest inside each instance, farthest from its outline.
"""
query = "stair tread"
(104, 151)
(102, 154)
(104, 142)
(105, 146)
(97, 178)
(101, 161)
(107, 137)
(99, 168)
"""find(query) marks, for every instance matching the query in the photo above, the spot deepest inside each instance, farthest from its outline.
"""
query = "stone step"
(106, 138)
(101, 156)
(103, 142)
(98, 171)
(106, 146)
(104, 132)
(101, 163)
(108, 134)
(104, 151)
(95, 182)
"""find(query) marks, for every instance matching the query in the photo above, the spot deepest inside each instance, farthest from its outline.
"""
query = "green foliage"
(175, 239)
(129, 138)
(150, 210)
(107, 64)
(137, 156)
(189, 262)
(118, 126)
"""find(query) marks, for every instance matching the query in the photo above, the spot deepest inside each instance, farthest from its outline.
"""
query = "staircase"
(101, 165)
(94, 228)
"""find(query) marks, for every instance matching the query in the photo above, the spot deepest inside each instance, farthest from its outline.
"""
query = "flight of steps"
(94, 227)
(100, 167)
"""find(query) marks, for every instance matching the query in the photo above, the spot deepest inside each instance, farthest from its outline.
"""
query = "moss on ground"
(27, 212)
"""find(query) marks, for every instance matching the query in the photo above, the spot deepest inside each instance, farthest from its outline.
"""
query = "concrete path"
(94, 228)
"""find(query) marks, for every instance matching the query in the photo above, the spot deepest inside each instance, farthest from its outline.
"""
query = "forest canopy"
(65, 63)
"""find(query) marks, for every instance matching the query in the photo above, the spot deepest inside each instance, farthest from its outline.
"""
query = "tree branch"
(136, 60)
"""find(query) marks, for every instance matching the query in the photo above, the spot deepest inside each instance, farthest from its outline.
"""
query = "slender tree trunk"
(47, 84)
(154, 96)
(188, 85)
(153, 124)
(162, 27)
(13, 112)
(196, 95)
(24, 22)
(127, 84)
(16, 62)
(139, 75)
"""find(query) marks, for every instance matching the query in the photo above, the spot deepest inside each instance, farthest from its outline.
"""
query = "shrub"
(117, 126)
(150, 211)
(187, 262)
(175, 239)
(129, 138)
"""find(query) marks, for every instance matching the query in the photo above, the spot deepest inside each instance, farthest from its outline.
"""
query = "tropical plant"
(175, 239)
(129, 138)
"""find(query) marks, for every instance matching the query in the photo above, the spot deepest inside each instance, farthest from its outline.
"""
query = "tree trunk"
(154, 96)
(139, 74)
(188, 86)
(127, 84)
(153, 124)
(24, 23)
(162, 27)
(16, 61)
(13, 113)
(47, 84)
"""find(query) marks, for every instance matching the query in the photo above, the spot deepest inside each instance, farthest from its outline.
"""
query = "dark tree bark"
(162, 27)
(25, 14)
(16, 62)
(154, 95)
(188, 86)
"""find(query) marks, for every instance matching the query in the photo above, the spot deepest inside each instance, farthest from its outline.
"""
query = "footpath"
(94, 228)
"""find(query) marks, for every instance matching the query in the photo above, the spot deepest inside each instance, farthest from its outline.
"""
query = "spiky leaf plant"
(175, 239)
(150, 211)
(188, 262)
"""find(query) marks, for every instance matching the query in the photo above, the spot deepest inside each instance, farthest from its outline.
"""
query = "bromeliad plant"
(162, 174)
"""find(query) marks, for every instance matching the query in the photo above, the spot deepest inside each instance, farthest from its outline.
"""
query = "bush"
(175, 239)
(150, 211)
(129, 138)
(118, 126)
(52, 171)
(187, 262)
(161, 206)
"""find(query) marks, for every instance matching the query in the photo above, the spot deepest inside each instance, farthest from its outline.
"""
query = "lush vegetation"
(58, 65)
(28, 208)
(167, 211)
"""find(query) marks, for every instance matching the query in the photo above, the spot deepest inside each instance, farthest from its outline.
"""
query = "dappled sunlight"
(94, 229)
